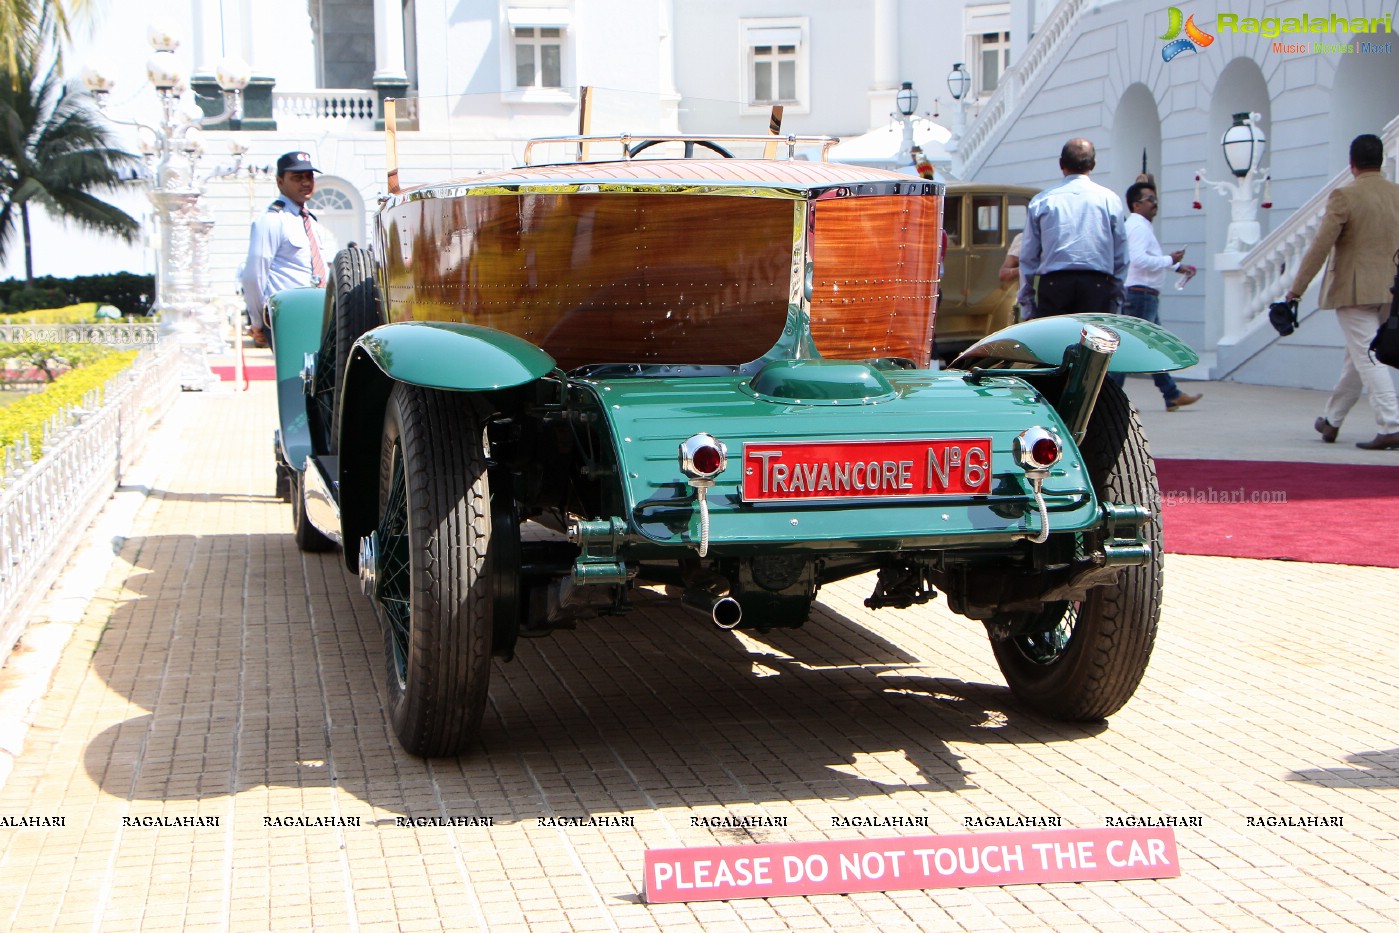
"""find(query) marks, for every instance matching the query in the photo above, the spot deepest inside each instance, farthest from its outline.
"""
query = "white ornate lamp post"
(172, 150)
(959, 82)
(907, 102)
(1243, 144)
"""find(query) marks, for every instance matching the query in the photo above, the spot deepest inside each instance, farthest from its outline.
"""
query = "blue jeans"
(1147, 307)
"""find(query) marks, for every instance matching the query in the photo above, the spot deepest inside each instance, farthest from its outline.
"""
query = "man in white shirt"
(1147, 267)
(287, 248)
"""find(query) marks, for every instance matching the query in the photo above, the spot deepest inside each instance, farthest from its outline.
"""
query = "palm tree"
(55, 152)
(26, 25)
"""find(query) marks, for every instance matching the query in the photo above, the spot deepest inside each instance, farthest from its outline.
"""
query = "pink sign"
(844, 866)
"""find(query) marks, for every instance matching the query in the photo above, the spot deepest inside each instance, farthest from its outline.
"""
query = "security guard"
(288, 248)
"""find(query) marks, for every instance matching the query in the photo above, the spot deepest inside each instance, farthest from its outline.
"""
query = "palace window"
(539, 47)
(776, 64)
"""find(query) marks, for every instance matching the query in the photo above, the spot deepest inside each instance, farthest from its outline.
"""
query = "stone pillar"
(257, 103)
(388, 42)
(885, 77)
(390, 75)
(407, 115)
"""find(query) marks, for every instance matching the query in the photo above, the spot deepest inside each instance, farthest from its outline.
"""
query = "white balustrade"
(45, 503)
(347, 106)
(1264, 273)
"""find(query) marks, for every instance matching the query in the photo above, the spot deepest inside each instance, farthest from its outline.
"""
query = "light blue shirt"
(1075, 225)
(279, 254)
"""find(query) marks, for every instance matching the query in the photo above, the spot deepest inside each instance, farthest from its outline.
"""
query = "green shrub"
(28, 299)
(27, 416)
(132, 294)
(85, 313)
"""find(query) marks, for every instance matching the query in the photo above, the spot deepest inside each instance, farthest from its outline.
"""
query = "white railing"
(1042, 52)
(1269, 267)
(87, 449)
(347, 107)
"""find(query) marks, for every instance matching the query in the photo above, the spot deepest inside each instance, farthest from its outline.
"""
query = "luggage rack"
(632, 145)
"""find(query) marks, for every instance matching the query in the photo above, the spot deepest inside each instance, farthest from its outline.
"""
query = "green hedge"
(132, 294)
(27, 416)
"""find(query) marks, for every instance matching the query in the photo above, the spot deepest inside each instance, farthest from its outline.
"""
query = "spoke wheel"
(1082, 661)
(431, 589)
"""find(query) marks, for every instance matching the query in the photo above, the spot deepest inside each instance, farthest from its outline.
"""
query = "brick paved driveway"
(223, 681)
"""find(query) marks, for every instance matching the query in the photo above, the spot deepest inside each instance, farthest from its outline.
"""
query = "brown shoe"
(1182, 400)
(1381, 442)
(1327, 430)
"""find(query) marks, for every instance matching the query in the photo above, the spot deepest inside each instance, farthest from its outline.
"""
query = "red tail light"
(1037, 449)
(703, 457)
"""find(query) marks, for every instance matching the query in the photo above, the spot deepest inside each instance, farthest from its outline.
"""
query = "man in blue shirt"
(1074, 241)
(287, 247)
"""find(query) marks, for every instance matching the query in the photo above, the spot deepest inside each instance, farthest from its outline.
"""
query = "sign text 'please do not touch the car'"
(845, 866)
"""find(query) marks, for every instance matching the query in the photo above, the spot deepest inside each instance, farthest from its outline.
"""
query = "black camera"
(1283, 316)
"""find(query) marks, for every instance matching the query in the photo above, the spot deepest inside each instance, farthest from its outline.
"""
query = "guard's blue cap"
(295, 162)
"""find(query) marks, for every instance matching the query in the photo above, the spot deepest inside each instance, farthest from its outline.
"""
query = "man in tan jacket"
(1360, 231)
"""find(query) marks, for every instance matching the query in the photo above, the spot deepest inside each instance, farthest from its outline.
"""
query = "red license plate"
(846, 470)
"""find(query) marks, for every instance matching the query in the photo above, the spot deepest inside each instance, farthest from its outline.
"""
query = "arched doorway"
(1136, 139)
(1363, 95)
(339, 207)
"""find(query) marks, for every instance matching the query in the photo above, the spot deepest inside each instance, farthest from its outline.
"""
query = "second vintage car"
(545, 387)
(981, 221)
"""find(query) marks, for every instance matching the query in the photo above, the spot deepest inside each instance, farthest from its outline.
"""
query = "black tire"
(1084, 660)
(352, 309)
(432, 591)
(308, 537)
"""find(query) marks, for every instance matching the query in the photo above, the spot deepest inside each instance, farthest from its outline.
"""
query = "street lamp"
(959, 82)
(1243, 144)
(907, 102)
(172, 149)
(907, 99)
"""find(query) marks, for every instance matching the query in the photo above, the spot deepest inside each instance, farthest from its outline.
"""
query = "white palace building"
(1145, 81)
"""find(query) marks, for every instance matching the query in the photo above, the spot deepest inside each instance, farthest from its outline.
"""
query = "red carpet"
(1326, 513)
(252, 373)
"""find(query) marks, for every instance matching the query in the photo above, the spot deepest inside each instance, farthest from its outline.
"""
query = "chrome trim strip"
(321, 508)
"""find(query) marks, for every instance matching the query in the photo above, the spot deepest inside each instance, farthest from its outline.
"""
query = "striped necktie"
(317, 263)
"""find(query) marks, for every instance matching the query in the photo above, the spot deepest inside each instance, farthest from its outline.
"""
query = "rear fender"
(296, 315)
(451, 357)
(1143, 347)
(456, 357)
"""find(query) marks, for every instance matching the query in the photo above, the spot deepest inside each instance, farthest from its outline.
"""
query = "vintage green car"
(547, 386)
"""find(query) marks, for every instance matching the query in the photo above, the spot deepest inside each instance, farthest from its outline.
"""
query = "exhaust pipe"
(724, 611)
(707, 593)
(1087, 364)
